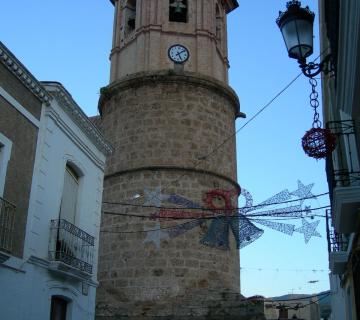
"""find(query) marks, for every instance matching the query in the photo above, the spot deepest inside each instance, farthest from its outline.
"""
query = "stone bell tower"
(166, 109)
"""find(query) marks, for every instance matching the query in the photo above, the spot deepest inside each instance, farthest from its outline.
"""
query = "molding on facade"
(175, 168)
(3, 257)
(50, 112)
(53, 266)
(68, 271)
(345, 207)
(71, 108)
(229, 5)
(38, 262)
(338, 261)
(148, 78)
(23, 74)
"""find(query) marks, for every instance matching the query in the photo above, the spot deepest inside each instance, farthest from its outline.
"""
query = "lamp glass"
(298, 37)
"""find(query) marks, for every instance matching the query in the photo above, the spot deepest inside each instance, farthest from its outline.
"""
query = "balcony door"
(58, 308)
(69, 195)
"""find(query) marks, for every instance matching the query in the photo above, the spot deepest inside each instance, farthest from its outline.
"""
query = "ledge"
(174, 168)
(66, 270)
(23, 74)
(170, 76)
(4, 257)
(346, 205)
(337, 262)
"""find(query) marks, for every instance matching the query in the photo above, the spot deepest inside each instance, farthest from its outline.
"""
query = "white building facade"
(340, 36)
(55, 275)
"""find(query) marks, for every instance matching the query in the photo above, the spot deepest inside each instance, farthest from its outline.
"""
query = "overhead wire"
(209, 209)
(216, 148)
(248, 216)
(180, 224)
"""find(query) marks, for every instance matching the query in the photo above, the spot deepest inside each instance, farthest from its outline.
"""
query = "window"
(58, 308)
(130, 16)
(5, 152)
(69, 195)
(178, 10)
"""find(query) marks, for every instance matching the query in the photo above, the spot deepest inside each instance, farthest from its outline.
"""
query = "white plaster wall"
(63, 141)
(27, 284)
(337, 299)
(26, 294)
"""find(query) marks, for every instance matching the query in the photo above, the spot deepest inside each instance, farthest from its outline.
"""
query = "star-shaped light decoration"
(303, 191)
(154, 197)
(156, 235)
(309, 230)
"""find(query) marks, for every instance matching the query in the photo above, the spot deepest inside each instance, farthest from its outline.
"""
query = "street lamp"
(296, 26)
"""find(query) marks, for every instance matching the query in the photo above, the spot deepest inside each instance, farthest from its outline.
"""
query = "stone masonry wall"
(160, 124)
(23, 135)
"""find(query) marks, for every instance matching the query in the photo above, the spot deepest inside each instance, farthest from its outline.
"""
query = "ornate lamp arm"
(312, 69)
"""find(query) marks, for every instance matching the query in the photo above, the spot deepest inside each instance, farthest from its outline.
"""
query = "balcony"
(7, 217)
(344, 177)
(338, 245)
(71, 249)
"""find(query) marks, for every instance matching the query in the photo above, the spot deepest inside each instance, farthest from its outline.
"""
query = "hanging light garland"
(317, 142)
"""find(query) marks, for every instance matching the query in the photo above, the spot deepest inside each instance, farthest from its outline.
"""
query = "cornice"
(23, 74)
(174, 168)
(229, 5)
(169, 76)
(68, 104)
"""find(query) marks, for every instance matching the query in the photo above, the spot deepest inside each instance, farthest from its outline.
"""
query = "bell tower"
(169, 241)
(144, 30)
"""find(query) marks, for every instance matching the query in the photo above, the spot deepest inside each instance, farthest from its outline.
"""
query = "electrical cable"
(325, 294)
(208, 209)
(175, 226)
(200, 159)
(304, 305)
(248, 216)
(281, 269)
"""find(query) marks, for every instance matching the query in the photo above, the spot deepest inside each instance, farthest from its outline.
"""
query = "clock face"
(178, 53)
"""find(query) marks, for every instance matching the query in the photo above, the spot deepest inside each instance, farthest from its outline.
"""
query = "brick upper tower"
(167, 106)
(144, 30)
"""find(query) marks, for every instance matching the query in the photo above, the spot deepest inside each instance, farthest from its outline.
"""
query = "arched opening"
(178, 10)
(70, 193)
(130, 16)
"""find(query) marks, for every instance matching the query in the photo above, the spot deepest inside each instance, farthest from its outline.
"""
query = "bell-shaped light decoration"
(296, 26)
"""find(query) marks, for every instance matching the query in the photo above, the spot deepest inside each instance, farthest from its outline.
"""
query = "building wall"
(158, 124)
(340, 103)
(60, 141)
(29, 288)
(19, 119)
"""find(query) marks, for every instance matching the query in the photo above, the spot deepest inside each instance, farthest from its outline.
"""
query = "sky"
(69, 41)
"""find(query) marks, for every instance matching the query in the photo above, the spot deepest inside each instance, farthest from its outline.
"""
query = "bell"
(178, 9)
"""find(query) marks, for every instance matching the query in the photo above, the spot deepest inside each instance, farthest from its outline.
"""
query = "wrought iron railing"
(347, 171)
(71, 245)
(7, 217)
(337, 242)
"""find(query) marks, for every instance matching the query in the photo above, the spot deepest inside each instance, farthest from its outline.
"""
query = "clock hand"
(179, 53)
